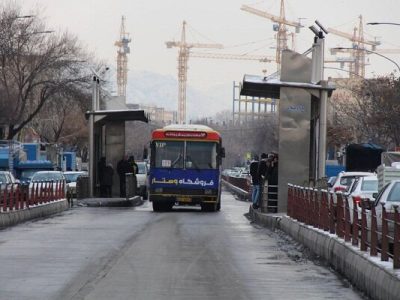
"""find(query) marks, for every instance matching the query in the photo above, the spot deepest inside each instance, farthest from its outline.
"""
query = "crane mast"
(182, 75)
(281, 35)
(281, 29)
(358, 53)
(122, 59)
(183, 57)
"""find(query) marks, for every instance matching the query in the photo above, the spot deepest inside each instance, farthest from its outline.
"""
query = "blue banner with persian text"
(184, 179)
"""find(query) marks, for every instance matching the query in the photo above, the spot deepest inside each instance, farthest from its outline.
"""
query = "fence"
(320, 209)
(17, 197)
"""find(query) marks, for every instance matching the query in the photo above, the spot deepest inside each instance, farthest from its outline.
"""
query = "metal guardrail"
(17, 197)
(243, 188)
(317, 208)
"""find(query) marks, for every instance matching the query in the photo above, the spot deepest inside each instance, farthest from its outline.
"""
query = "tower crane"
(280, 27)
(357, 68)
(183, 57)
(122, 59)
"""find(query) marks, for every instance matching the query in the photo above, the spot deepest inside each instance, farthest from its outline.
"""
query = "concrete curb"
(11, 218)
(376, 280)
(110, 202)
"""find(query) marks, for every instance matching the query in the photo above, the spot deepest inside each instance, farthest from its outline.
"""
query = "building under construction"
(248, 109)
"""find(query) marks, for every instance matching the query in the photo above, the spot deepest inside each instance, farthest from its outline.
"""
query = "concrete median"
(11, 218)
(376, 279)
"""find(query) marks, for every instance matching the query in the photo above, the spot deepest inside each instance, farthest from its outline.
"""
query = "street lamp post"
(91, 135)
(95, 106)
(369, 51)
(317, 76)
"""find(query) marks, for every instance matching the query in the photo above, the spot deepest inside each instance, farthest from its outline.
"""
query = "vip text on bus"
(185, 167)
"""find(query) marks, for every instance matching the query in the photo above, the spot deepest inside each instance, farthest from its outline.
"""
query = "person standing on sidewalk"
(255, 181)
(123, 167)
(101, 166)
(133, 164)
(262, 171)
(108, 180)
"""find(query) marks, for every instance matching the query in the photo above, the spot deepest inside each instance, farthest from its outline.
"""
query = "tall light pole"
(317, 76)
(372, 52)
(95, 106)
(95, 83)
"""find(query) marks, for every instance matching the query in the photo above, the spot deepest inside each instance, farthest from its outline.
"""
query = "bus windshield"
(197, 155)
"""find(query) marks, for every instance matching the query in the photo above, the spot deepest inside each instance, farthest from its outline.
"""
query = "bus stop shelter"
(109, 140)
(299, 120)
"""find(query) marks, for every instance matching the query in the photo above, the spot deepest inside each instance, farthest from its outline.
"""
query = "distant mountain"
(149, 88)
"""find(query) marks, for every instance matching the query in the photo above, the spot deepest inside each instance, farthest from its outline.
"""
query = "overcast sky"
(151, 23)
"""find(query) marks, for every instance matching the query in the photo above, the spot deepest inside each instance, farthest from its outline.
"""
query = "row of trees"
(44, 79)
(367, 112)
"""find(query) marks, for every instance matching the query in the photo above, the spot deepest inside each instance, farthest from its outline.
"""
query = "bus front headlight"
(208, 192)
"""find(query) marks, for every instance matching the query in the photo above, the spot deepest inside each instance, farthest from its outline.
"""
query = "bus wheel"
(208, 206)
(157, 206)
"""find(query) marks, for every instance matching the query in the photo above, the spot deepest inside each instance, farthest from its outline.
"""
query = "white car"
(7, 177)
(71, 178)
(46, 177)
(345, 179)
(141, 179)
(389, 196)
(362, 188)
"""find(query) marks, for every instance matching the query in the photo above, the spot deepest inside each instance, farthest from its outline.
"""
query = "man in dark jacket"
(262, 170)
(133, 164)
(255, 181)
(123, 167)
(101, 166)
(108, 180)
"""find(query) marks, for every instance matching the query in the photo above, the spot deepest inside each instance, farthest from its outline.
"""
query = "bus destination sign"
(186, 134)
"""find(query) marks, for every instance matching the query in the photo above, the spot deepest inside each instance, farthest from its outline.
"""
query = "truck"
(23, 160)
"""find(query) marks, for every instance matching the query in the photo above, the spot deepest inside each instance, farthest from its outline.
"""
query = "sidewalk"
(376, 279)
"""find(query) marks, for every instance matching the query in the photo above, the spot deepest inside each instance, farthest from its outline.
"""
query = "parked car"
(345, 179)
(361, 189)
(141, 179)
(6, 177)
(71, 177)
(389, 197)
(7, 180)
(331, 180)
(47, 176)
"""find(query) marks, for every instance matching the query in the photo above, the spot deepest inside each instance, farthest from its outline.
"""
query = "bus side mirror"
(222, 152)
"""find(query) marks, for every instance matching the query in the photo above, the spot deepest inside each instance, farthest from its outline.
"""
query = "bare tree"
(35, 68)
(370, 115)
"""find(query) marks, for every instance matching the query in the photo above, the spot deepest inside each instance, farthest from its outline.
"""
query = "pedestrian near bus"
(255, 181)
(133, 164)
(123, 167)
(108, 180)
(101, 166)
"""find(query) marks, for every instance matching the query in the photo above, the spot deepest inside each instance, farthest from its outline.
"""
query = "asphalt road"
(134, 253)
